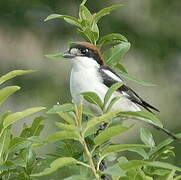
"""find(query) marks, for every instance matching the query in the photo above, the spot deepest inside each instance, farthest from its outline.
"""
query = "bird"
(90, 74)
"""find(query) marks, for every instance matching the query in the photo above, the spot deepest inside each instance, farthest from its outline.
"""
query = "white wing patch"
(112, 75)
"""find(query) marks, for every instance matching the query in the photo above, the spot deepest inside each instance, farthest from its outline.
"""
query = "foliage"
(17, 153)
(83, 149)
(115, 45)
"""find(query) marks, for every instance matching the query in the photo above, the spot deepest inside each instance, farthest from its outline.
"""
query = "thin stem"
(84, 144)
(99, 162)
(90, 158)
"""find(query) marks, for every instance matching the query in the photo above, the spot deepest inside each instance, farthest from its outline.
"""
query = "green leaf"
(163, 144)
(83, 33)
(113, 38)
(85, 14)
(10, 119)
(110, 91)
(4, 143)
(18, 143)
(110, 132)
(6, 92)
(83, 2)
(35, 127)
(69, 148)
(30, 157)
(69, 19)
(65, 127)
(93, 98)
(13, 74)
(55, 165)
(115, 54)
(140, 151)
(66, 117)
(55, 56)
(2, 117)
(95, 30)
(177, 178)
(115, 170)
(121, 68)
(138, 163)
(146, 137)
(144, 116)
(60, 135)
(121, 147)
(159, 172)
(112, 102)
(97, 120)
(67, 107)
(77, 177)
(132, 78)
(88, 35)
(105, 11)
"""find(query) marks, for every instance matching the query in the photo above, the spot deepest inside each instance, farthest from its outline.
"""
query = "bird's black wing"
(110, 77)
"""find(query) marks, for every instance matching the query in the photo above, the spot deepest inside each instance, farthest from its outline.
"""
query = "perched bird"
(90, 74)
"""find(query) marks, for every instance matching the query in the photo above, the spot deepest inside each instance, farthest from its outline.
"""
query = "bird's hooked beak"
(67, 54)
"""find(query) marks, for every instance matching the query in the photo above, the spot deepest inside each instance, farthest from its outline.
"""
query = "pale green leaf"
(70, 19)
(146, 137)
(88, 34)
(2, 117)
(114, 55)
(112, 102)
(18, 143)
(67, 107)
(140, 151)
(4, 143)
(143, 116)
(138, 163)
(60, 135)
(121, 68)
(66, 127)
(93, 98)
(85, 14)
(6, 92)
(55, 56)
(121, 147)
(163, 144)
(77, 177)
(10, 119)
(55, 165)
(110, 91)
(177, 178)
(13, 74)
(115, 170)
(83, 2)
(113, 38)
(110, 132)
(104, 118)
(105, 11)
(66, 117)
(36, 126)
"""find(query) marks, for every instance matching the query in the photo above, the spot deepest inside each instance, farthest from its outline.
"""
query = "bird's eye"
(84, 51)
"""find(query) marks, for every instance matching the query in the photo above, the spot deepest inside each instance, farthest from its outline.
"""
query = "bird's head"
(84, 51)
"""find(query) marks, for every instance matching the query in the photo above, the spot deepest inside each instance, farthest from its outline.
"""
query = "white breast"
(85, 77)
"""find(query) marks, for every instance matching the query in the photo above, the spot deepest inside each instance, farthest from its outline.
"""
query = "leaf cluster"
(17, 153)
(113, 46)
(78, 146)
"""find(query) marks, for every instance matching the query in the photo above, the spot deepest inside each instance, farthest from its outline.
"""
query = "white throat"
(85, 63)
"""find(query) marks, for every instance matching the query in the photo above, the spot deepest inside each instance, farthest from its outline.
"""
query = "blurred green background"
(152, 27)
